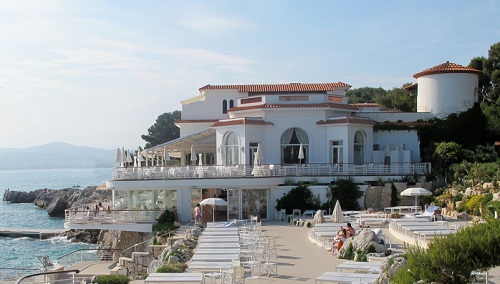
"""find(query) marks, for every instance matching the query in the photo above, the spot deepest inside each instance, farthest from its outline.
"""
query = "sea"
(23, 252)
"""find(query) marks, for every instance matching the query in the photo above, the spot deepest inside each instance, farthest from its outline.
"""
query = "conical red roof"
(447, 67)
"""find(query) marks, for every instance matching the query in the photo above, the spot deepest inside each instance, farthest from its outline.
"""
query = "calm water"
(22, 252)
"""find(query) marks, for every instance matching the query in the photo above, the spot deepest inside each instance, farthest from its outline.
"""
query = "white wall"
(443, 94)
(409, 138)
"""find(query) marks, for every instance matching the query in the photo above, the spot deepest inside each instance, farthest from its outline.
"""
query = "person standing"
(197, 214)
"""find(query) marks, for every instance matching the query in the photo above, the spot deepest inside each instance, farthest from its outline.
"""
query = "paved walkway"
(299, 260)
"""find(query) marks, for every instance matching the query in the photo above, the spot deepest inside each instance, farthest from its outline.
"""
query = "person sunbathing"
(339, 239)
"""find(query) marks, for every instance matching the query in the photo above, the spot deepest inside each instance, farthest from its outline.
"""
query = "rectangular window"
(252, 149)
(337, 152)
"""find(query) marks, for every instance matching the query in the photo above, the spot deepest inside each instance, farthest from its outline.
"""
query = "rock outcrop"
(364, 243)
(122, 240)
(56, 201)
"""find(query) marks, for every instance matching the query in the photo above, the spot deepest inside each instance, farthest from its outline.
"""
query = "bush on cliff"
(451, 259)
(111, 279)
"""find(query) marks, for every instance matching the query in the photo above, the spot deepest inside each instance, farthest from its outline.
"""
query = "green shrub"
(346, 192)
(476, 202)
(111, 279)
(165, 221)
(309, 224)
(452, 258)
(299, 197)
(178, 267)
(349, 254)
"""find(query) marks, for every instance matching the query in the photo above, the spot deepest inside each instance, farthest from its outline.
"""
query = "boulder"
(56, 208)
(361, 243)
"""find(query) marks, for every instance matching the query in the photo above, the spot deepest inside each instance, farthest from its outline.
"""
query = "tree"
(364, 95)
(163, 130)
(489, 85)
(346, 192)
(397, 98)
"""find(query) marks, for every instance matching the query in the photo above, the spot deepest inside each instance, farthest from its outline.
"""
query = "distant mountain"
(56, 156)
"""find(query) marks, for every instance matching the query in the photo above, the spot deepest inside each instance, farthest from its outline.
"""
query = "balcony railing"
(207, 172)
(116, 217)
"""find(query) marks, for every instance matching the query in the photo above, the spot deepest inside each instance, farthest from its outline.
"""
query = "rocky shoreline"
(55, 202)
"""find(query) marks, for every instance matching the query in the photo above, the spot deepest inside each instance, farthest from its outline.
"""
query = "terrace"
(270, 170)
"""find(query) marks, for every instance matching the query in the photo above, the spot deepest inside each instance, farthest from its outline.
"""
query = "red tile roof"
(447, 67)
(274, 88)
(346, 119)
(195, 120)
(312, 105)
(242, 121)
(406, 123)
(365, 105)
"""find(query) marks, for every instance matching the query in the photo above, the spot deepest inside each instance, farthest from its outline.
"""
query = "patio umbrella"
(129, 157)
(118, 158)
(213, 201)
(301, 153)
(166, 156)
(193, 155)
(140, 158)
(123, 157)
(337, 215)
(258, 155)
(415, 191)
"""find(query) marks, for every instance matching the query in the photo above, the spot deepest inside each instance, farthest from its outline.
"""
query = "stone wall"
(137, 264)
(379, 197)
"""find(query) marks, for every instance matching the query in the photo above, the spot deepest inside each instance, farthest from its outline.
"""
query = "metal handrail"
(269, 170)
(17, 272)
(107, 256)
(74, 271)
(146, 241)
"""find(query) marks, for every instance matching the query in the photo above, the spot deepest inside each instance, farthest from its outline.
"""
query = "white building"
(245, 143)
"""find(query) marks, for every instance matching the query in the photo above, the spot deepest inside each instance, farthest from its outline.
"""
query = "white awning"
(175, 146)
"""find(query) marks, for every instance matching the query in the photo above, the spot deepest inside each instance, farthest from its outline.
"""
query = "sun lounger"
(344, 277)
(432, 213)
(174, 277)
(359, 266)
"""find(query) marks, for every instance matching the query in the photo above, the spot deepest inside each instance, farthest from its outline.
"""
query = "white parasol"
(118, 158)
(258, 156)
(166, 156)
(301, 153)
(213, 201)
(337, 214)
(415, 191)
(193, 155)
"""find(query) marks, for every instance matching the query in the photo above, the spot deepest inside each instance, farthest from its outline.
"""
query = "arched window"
(231, 148)
(231, 103)
(359, 148)
(290, 146)
(224, 106)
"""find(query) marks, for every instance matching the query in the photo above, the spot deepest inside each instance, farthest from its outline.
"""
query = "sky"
(98, 73)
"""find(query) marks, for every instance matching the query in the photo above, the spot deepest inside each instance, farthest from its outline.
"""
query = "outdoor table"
(251, 264)
(174, 277)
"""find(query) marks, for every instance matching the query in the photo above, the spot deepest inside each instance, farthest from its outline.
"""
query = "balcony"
(272, 170)
(122, 220)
